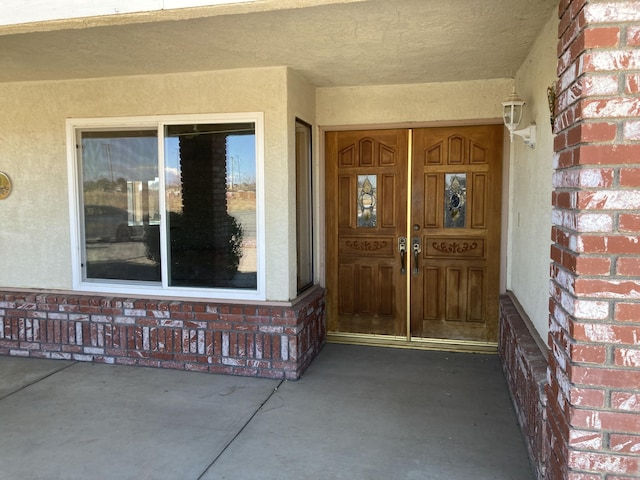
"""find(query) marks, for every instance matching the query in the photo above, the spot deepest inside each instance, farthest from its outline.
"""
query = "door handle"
(402, 248)
(417, 248)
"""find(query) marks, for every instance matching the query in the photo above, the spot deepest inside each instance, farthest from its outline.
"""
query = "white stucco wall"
(35, 233)
(400, 104)
(302, 105)
(530, 189)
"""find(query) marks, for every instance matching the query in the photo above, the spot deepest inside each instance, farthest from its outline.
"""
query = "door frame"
(406, 342)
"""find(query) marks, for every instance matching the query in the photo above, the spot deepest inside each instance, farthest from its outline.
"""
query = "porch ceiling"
(330, 42)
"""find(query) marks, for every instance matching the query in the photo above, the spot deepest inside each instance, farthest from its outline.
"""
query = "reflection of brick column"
(594, 364)
(204, 188)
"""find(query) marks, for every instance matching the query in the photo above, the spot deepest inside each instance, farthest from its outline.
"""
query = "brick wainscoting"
(525, 368)
(231, 338)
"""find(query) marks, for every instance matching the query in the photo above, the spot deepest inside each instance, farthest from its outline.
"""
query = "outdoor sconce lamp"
(512, 115)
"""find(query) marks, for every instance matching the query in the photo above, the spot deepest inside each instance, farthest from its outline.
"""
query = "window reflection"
(211, 205)
(120, 197)
(210, 199)
(304, 207)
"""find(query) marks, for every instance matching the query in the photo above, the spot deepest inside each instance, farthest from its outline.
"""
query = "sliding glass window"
(173, 206)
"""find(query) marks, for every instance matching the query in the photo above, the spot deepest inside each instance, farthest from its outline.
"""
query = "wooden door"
(366, 213)
(452, 213)
(456, 191)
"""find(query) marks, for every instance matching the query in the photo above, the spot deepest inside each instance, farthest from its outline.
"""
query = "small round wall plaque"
(5, 186)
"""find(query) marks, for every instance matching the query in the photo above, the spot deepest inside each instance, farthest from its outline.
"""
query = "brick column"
(594, 366)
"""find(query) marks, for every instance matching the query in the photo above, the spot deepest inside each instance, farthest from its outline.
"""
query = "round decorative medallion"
(5, 186)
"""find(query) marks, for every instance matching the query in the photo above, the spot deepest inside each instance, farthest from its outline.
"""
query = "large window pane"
(210, 177)
(183, 222)
(120, 200)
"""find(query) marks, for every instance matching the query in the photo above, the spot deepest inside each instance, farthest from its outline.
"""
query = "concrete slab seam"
(273, 392)
(37, 381)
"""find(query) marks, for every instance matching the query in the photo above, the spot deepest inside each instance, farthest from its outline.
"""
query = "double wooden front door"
(413, 232)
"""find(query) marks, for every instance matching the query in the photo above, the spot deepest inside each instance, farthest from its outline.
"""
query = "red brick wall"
(236, 339)
(594, 391)
(525, 369)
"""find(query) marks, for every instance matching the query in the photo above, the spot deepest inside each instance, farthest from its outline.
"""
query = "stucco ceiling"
(330, 42)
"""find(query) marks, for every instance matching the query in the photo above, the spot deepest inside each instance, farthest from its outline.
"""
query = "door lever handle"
(417, 248)
(402, 248)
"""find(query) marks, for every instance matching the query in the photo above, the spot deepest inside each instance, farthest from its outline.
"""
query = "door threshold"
(438, 344)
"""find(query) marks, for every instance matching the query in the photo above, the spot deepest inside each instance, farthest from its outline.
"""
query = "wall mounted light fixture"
(512, 111)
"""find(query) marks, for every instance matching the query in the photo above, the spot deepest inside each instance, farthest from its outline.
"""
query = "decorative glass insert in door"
(366, 201)
(455, 195)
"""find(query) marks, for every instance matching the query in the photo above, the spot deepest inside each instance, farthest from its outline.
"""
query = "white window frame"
(75, 125)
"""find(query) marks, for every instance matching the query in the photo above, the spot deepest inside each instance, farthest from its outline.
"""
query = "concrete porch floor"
(357, 413)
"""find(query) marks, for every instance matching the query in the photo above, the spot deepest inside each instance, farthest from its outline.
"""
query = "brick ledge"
(525, 367)
(264, 340)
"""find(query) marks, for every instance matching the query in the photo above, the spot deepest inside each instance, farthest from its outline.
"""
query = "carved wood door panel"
(456, 190)
(366, 214)
(448, 204)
